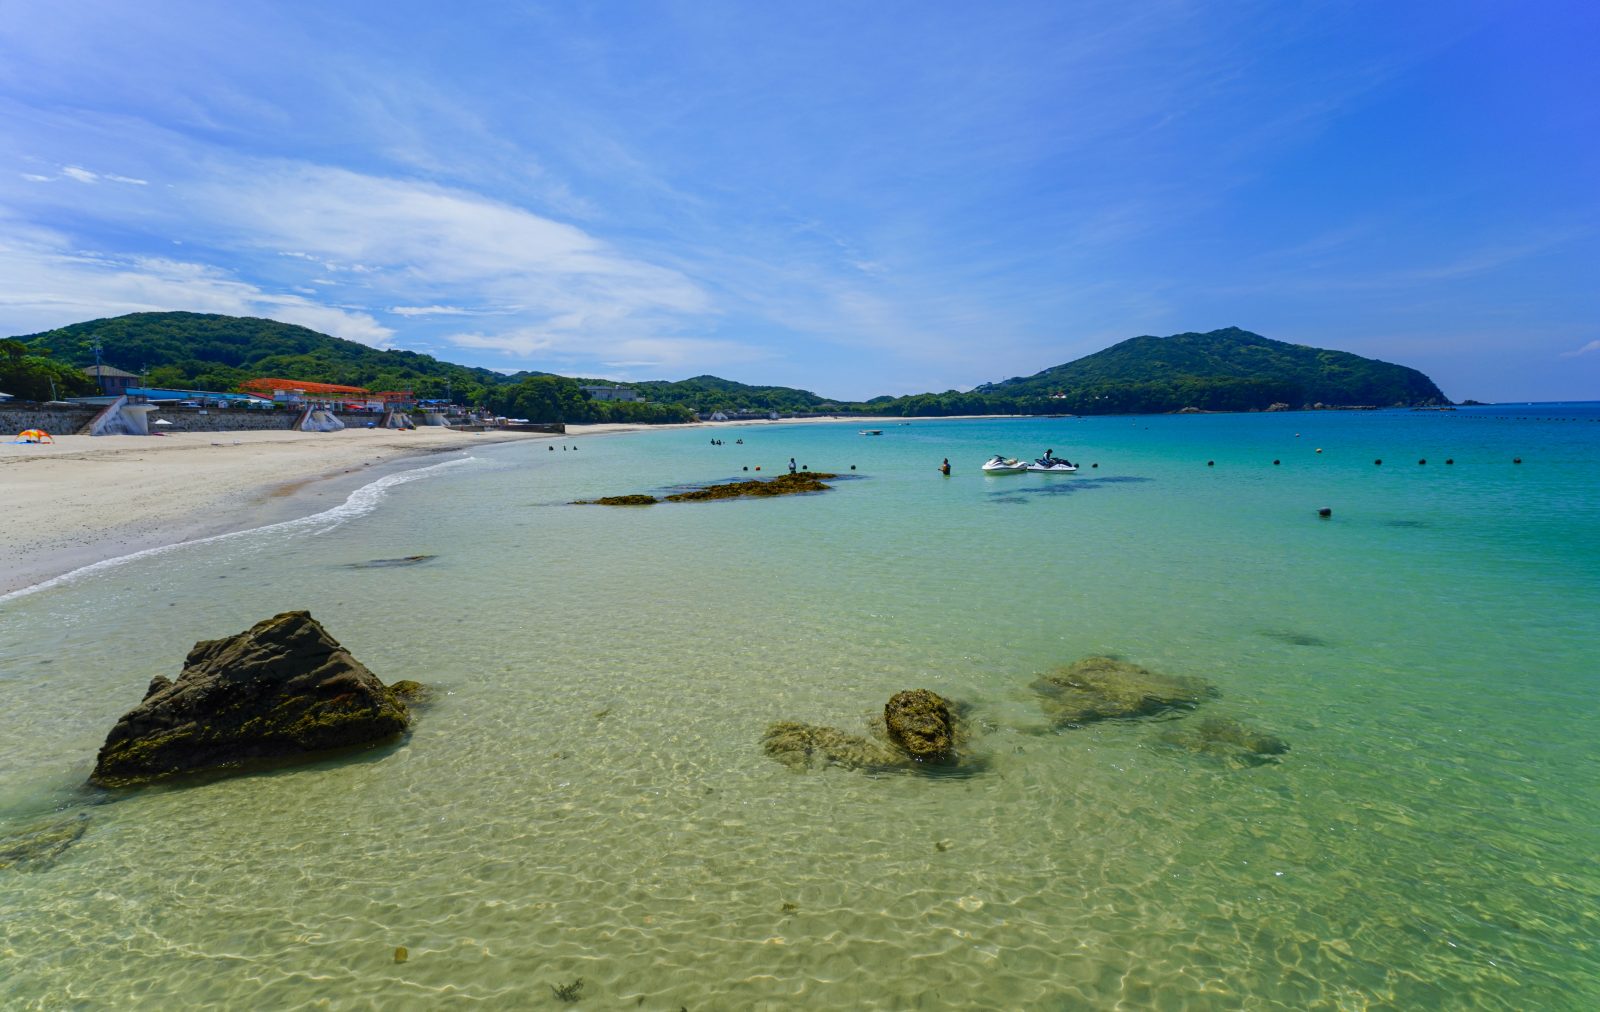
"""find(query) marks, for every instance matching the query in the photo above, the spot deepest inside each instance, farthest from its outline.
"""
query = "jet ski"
(1053, 465)
(1003, 465)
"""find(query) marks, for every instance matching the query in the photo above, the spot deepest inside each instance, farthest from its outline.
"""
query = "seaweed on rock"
(810, 746)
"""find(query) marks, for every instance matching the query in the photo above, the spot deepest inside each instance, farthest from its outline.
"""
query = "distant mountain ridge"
(1223, 370)
(1228, 369)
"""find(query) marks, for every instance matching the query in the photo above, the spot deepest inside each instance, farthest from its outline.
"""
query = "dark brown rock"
(919, 722)
(283, 689)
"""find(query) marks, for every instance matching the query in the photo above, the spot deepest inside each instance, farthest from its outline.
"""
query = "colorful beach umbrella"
(34, 436)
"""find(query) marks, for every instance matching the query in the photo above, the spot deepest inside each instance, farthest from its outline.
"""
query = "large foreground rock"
(919, 722)
(282, 689)
(1104, 688)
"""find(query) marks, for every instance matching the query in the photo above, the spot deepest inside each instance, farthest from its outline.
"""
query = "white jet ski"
(1052, 465)
(1003, 465)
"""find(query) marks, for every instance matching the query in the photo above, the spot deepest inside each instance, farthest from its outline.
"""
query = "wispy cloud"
(1592, 346)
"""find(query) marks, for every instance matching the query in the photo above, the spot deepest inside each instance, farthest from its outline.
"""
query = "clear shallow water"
(589, 797)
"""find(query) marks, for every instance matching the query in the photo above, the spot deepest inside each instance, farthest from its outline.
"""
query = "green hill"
(201, 351)
(1223, 370)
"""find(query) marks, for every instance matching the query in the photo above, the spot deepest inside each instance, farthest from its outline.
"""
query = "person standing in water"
(944, 468)
(791, 465)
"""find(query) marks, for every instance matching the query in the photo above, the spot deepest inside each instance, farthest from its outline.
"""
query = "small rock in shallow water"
(400, 954)
(919, 722)
(407, 560)
(808, 746)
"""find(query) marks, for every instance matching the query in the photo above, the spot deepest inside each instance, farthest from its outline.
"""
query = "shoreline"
(83, 500)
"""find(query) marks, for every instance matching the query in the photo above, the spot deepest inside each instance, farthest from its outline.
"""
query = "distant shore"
(84, 499)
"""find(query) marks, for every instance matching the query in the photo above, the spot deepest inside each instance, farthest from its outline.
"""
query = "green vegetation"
(1224, 370)
(30, 373)
(202, 351)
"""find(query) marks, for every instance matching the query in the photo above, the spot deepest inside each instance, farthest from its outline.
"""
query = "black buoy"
(1276, 462)
(1211, 463)
(1424, 460)
(852, 467)
(1094, 465)
(1449, 460)
(1516, 460)
(1379, 462)
(805, 467)
(1324, 512)
(746, 467)
(551, 449)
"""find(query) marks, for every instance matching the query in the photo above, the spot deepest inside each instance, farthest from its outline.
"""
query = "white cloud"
(1586, 349)
(128, 179)
(81, 175)
(33, 178)
(44, 284)
(430, 311)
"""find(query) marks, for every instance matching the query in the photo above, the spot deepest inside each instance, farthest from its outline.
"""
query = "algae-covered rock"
(618, 500)
(1226, 739)
(1104, 688)
(784, 484)
(808, 746)
(283, 689)
(919, 722)
(407, 560)
(36, 847)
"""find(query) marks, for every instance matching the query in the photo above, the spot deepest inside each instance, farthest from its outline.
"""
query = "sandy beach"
(84, 499)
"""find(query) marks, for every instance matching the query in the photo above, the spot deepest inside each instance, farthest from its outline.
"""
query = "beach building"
(607, 393)
(113, 382)
(291, 391)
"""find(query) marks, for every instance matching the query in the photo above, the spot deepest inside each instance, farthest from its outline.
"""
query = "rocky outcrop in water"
(919, 722)
(917, 727)
(1104, 688)
(810, 746)
(282, 690)
(784, 484)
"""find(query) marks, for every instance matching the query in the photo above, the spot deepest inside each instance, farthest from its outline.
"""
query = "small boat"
(872, 432)
(1003, 465)
(1052, 465)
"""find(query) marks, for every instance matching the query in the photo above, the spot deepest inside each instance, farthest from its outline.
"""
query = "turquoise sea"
(588, 797)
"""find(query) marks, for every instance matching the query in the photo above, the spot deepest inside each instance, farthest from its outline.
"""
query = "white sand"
(83, 499)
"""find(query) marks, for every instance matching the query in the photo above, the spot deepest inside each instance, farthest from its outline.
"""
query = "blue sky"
(855, 198)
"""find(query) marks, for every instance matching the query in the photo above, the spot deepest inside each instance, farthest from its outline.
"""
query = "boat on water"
(1052, 465)
(872, 432)
(1004, 465)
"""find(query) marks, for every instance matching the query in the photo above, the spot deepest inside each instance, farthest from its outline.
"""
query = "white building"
(602, 393)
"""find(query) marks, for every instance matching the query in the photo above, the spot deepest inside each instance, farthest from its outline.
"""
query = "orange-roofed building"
(272, 387)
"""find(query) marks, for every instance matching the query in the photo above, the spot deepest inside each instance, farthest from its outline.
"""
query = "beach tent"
(34, 436)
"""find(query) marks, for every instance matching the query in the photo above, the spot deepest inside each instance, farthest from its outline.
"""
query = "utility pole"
(99, 377)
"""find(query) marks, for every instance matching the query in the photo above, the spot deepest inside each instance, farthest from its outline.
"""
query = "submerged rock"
(919, 722)
(283, 689)
(407, 560)
(809, 746)
(1226, 739)
(37, 847)
(1104, 688)
(619, 500)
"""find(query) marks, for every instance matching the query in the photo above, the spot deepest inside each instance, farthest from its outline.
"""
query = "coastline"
(84, 499)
